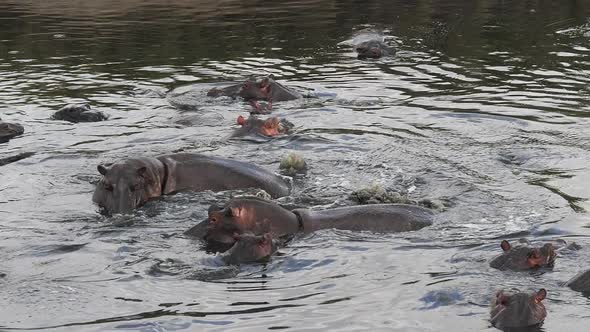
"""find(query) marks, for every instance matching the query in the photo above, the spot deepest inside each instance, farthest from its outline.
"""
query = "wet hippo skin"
(270, 127)
(129, 183)
(78, 113)
(517, 309)
(580, 282)
(250, 248)
(255, 89)
(257, 216)
(522, 258)
(10, 130)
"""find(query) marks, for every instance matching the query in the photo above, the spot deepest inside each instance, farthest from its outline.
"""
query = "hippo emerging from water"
(270, 127)
(257, 216)
(130, 183)
(522, 258)
(371, 45)
(255, 89)
(78, 113)
(517, 310)
(10, 130)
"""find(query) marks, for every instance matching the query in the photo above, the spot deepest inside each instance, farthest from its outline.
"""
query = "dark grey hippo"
(255, 89)
(250, 248)
(130, 183)
(258, 216)
(371, 45)
(10, 130)
(78, 113)
(580, 282)
(511, 310)
(523, 257)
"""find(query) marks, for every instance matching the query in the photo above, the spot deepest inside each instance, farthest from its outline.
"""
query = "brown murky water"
(485, 108)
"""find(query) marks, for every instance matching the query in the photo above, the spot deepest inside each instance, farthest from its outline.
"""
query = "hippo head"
(523, 257)
(256, 89)
(270, 127)
(513, 310)
(250, 248)
(125, 186)
(237, 217)
(370, 49)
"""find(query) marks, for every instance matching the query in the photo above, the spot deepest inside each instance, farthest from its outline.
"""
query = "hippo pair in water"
(129, 183)
(255, 89)
(257, 216)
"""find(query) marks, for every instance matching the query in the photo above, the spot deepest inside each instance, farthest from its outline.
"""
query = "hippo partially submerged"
(256, 89)
(270, 127)
(130, 183)
(371, 45)
(250, 248)
(258, 216)
(517, 310)
(78, 113)
(580, 282)
(10, 130)
(522, 258)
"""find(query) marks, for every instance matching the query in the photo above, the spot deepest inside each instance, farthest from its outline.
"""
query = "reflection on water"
(484, 108)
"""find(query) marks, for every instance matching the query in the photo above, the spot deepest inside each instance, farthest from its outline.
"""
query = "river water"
(484, 109)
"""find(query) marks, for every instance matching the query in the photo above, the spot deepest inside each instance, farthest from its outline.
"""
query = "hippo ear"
(141, 171)
(102, 170)
(505, 245)
(541, 295)
(241, 120)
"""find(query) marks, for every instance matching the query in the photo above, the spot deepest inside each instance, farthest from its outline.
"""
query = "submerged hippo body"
(253, 215)
(10, 130)
(257, 89)
(580, 282)
(250, 248)
(130, 183)
(373, 49)
(78, 113)
(517, 310)
(523, 258)
(270, 127)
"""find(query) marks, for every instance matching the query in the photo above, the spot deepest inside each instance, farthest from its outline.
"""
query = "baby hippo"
(270, 127)
(523, 258)
(517, 310)
(78, 113)
(250, 248)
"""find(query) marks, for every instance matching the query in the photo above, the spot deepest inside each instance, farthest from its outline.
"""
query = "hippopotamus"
(524, 257)
(255, 89)
(10, 130)
(270, 127)
(129, 183)
(372, 46)
(78, 113)
(580, 282)
(518, 309)
(250, 248)
(258, 216)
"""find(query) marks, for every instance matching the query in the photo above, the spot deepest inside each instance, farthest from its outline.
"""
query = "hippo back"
(187, 171)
